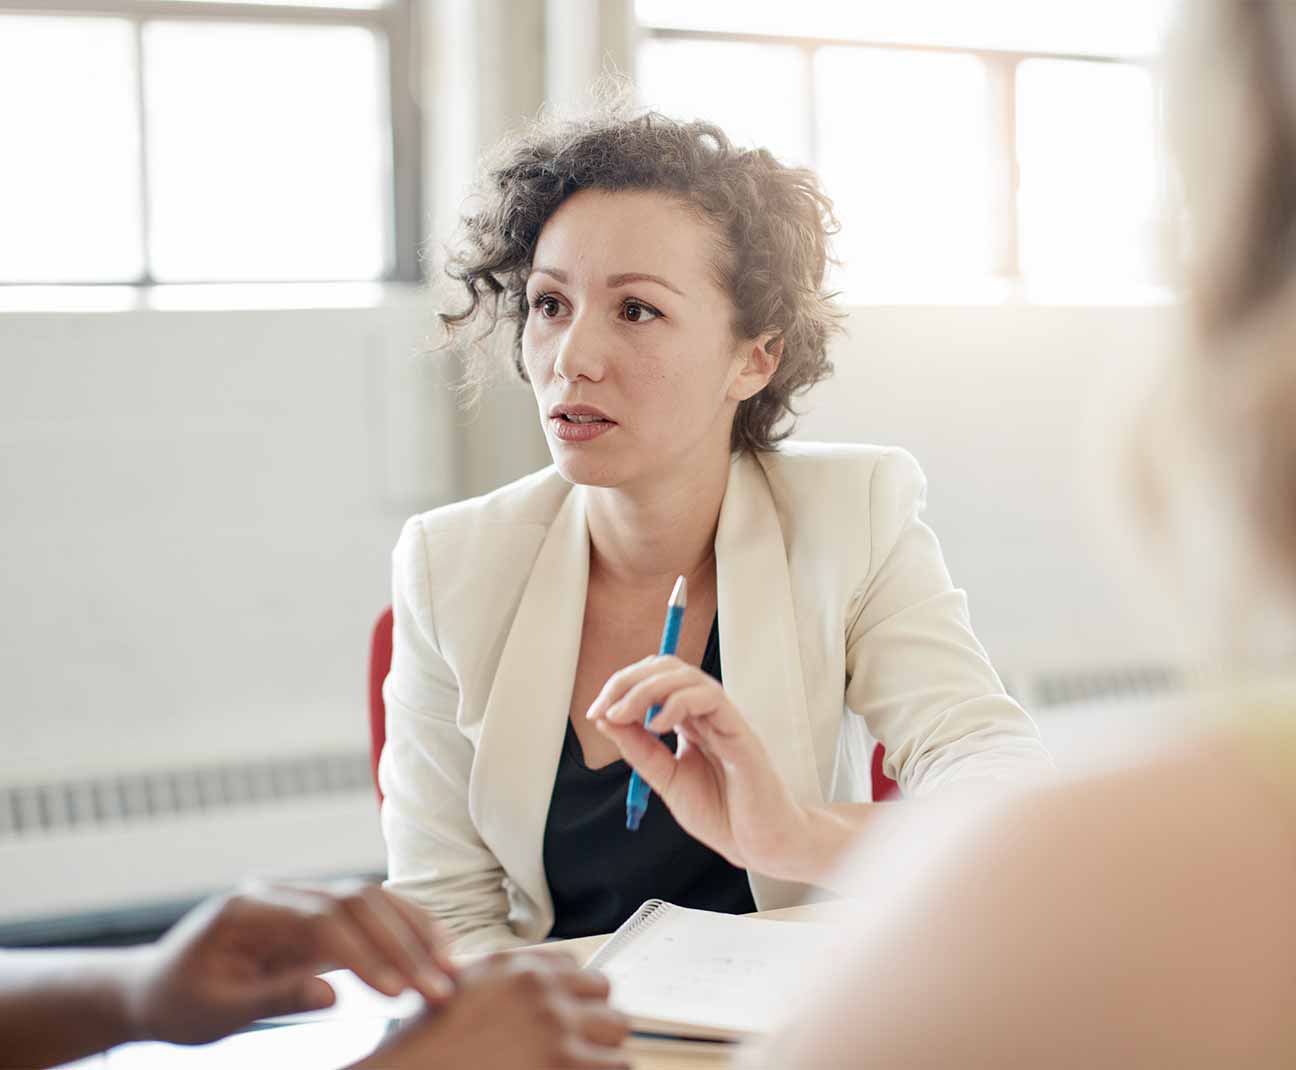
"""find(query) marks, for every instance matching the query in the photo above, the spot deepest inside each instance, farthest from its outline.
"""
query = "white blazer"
(838, 622)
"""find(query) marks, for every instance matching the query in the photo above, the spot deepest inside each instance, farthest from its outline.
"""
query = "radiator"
(106, 843)
(1037, 691)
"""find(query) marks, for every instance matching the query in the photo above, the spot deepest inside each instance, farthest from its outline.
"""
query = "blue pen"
(637, 795)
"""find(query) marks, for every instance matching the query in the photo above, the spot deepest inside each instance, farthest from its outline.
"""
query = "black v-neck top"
(599, 872)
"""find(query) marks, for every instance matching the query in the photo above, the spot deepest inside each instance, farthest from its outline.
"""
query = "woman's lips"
(572, 431)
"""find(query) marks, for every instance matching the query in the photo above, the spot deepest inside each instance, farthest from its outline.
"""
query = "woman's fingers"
(623, 680)
(698, 702)
(684, 693)
(657, 688)
(693, 699)
(644, 753)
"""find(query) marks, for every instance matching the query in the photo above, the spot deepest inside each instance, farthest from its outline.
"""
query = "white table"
(328, 1044)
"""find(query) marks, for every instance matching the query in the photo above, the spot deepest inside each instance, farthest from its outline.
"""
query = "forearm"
(822, 836)
(825, 835)
(56, 1006)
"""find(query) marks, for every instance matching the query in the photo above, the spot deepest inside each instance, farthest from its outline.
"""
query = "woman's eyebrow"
(553, 273)
(613, 281)
(641, 276)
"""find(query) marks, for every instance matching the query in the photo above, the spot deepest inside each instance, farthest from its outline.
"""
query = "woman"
(667, 292)
(1143, 917)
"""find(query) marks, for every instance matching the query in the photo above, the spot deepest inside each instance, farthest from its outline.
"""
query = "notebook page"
(715, 971)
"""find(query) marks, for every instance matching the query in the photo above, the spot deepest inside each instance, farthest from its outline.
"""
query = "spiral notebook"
(696, 974)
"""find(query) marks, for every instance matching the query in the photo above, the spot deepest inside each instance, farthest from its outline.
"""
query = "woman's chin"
(586, 471)
(590, 467)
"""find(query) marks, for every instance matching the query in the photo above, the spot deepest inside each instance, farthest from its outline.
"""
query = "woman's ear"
(760, 361)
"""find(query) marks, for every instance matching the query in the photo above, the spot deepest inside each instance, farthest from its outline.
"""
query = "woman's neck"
(644, 537)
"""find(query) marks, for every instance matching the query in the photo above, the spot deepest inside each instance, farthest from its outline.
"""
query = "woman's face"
(629, 340)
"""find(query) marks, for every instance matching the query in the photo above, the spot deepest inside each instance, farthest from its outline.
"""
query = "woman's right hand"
(719, 783)
(514, 1011)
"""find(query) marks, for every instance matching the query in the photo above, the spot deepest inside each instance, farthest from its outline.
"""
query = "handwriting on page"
(717, 970)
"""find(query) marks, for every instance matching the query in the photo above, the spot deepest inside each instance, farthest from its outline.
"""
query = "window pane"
(1095, 27)
(755, 93)
(269, 152)
(904, 152)
(69, 182)
(1089, 200)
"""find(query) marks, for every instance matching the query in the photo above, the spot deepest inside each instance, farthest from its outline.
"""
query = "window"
(1088, 199)
(191, 141)
(969, 145)
(889, 169)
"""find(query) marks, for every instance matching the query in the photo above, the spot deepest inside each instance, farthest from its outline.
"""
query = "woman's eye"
(638, 312)
(547, 305)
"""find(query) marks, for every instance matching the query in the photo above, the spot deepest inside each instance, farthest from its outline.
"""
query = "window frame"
(393, 22)
(1001, 68)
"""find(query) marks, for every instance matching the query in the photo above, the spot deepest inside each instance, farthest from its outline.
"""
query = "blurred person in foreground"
(1144, 916)
(255, 954)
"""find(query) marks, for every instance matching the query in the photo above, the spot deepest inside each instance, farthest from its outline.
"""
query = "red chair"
(884, 787)
(380, 655)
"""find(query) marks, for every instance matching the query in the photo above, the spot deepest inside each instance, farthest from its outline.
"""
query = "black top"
(599, 872)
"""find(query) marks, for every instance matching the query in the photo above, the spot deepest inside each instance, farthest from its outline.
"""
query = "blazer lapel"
(760, 652)
(526, 712)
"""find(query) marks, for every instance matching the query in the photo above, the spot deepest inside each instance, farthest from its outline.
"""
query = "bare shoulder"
(1137, 917)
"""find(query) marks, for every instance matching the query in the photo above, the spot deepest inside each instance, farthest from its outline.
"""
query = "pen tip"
(679, 596)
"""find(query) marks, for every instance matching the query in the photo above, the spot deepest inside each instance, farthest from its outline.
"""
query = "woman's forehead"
(595, 235)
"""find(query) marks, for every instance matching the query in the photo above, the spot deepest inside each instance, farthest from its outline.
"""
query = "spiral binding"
(651, 911)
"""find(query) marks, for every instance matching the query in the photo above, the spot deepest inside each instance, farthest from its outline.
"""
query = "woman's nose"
(580, 352)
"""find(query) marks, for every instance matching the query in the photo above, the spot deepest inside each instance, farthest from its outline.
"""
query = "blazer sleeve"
(434, 855)
(915, 671)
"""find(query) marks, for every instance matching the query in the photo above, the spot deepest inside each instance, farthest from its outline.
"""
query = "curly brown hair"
(773, 224)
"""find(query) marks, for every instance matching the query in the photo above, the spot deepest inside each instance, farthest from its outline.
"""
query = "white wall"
(1010, 411)
(198, 509)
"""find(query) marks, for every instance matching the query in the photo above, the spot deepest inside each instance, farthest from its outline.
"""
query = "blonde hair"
(1232, 125)
(1231, 120)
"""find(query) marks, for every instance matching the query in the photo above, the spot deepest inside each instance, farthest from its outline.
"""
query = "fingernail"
(391, 982)
(438, 984)
(321, 999)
